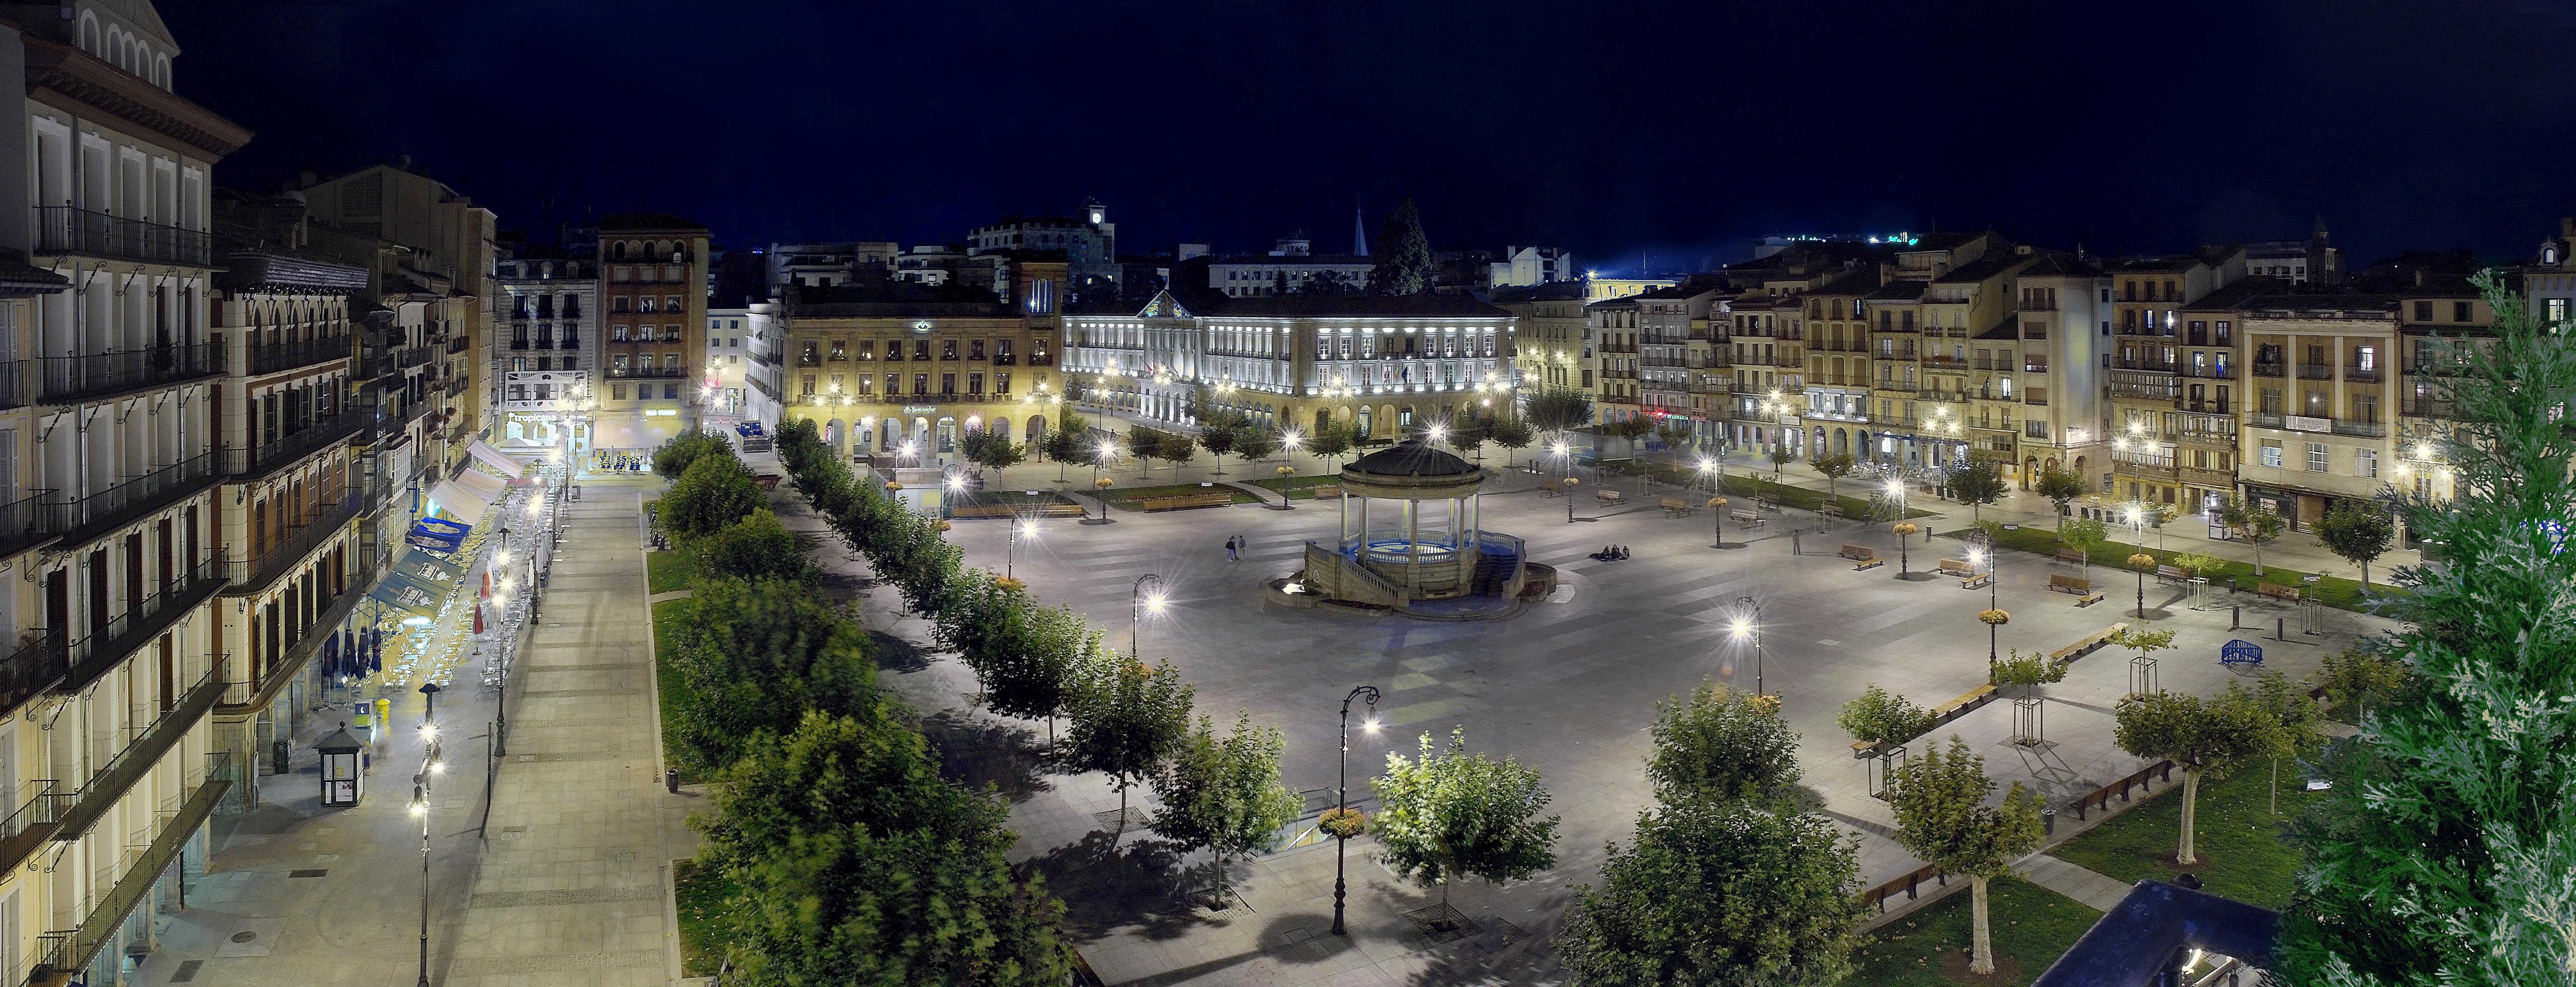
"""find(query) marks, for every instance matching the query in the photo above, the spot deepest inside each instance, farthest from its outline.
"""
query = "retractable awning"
(469, 496)
(494, 458)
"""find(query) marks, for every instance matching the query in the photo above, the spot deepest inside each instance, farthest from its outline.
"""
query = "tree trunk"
(2365, 575)
(1981, 955)
(2258, 558)
(2190, 808)
(1122, 812)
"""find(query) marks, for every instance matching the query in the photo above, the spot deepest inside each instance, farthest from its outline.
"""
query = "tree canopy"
(1717, 742)
(1403, 257)
(1718, 892)
(1450, 814)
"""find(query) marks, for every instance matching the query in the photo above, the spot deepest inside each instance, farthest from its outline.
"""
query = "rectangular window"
(2460, 311)
(947, 383)
(2557, 310)
(2423, 311)
(974, 383)
(921, 383)
(2365, 463)
(2318, 458)
(617, 392)
(2271, 453)
(1001, 383)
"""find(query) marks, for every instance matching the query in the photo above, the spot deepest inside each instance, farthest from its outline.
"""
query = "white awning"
(492, 457)
(469, 495)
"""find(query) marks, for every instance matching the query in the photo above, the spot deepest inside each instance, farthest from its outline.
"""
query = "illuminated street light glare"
(1743, 627)
(1155, 603)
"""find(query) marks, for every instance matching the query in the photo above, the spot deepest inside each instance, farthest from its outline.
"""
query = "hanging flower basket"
(1570, 481)
(1009, 583)
(1905, 528)
(1343, 823)
(1717, 502)
(1103, 483)
(1994, 618)
(2141, 560)
(894, 485)
(938, 525)
(1287, 471)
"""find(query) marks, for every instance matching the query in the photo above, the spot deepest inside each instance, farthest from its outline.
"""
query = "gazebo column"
(1412, 545)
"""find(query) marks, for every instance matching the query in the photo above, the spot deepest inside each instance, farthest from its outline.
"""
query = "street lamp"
(1748, 625)
(2138, 520)
(1288, 447)
(1100, 457)
(1010, 561)
(1986, 557)
(1716, 504)
(420, 807)
(1566, 452)
(1342, 793)
(1137, 598)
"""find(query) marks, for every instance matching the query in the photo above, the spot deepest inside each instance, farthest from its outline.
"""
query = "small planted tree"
(1128, 718)
(1223, 792)
(715, 491)
(1040, 678)
(1558, 409)
(1942, 817)
(1176, 449)
(1878, 716)
(1450, 814)
(1331, 442)
(2022, 675)
(1781, 456)
(1979, 483)
(1719, 743)
(989, 449)
(1255, 444)
(2253, 524)
(1218, 442)
(2203, 738)
(1513, 434)
(2358, 677)
(1834, 468)
(2083, 535)
(2061, 487)
(676, 455)
(1719, 891)
(1065, 444)
(2360, 535)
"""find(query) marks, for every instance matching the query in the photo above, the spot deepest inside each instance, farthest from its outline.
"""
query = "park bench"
(1676, 507)
(1748, 518)
(2077, 585)
(1966, 702)
(1830, 510)
(2278, 591)
(1183, 502)
(1864, 555)
(1550, 487)
(1328, 491)
(1768, 502)
(2085, 645)
(2088, 599)
(2073, 556)
(2171, 574)
(1609, 496)
(1955, 567)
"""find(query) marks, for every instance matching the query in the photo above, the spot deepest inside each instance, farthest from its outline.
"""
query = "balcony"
(98, 375)
(2156, 366)
(106, 647)
(459, 344)
(648, 373)
(411, 356)
(34, 822)
(519, 343)
(2209, 373)
(63, 954)
(2315, 371)
(68, 230)
(2035, 400)
(88, 517)
(2210, 407)
(2208, 477)
(2361, 374)
(29, 522)
(254, 574)
(2364, 430)
(2263, 369)
(269, 358)
(31, 670)
(261, 460)
(1945, 363)
(2430, 408)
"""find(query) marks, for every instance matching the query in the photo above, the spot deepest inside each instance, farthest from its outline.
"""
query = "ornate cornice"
(75, 81)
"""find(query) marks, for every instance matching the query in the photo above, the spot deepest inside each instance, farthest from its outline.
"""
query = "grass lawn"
(668, 570)
(1127, 496)
(700, 894)
(1297, 487)
(666, 624)
(2242, 852)
(2031, 926)
(2111, 558)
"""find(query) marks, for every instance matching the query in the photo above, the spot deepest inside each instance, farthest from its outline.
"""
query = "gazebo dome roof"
(1409, 458)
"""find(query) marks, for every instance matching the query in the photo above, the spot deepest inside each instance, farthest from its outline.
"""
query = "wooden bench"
(1329, 490)
(2077, 585)
(1676, 507)
(2171, 574)
(1183, 502)
(2085, 645)
(1862, 554)
(1955, 567)
(1968, 700)
(2278, 591)
(1748, 518)
(1609, 496)
(2071, 556)
(2088, 599)
(1768, 502)
(1830, 510)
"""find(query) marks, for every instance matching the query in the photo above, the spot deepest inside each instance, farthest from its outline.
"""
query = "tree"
(2297, 719)
(1781, 456)
(752, 656)
(1878, 716)
(1513, 434)
(1942, 818)
(1403, 255)
(1255, 444)
(2083, 535)
(989, 449)
(2359, 534)
(1719, 891)
(1218, 442)
(2061, 487)
(2137, 636)
(1558, 409)
(2026, 672)
(1328, 282)
(1176, 449)
(713, 492)
(1979, 483)
(1145, 444)
(1039, 678)
(1128, 717)
(1834, 468)
(754, 547)
(1065, 444)
(1279, 283)
(2253, 524)
(853, 863)
(2204, 739)
(1333, 441)
(1468, 439)
(1452, 814)
(1719, 743)
(2442, 852)
(675, 455)
(1223, 793)
(2357, 677)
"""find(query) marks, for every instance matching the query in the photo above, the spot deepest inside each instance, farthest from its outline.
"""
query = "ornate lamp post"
(429, 766)
(2141, 561)
(1342, 797)
(1565, 451)
(1138, 599)
(1715, 468)
(1748, 625)
(1019, 530)
(1100, 457)
(1993, 615)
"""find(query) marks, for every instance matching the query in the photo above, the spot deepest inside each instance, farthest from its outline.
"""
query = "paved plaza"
(1567, 687)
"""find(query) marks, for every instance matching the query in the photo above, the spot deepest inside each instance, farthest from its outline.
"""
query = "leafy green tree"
(1064, 444)
(1781, 456)
(2359, 534)
(713, 492)
(1331, 442)
(1223, 793)
(1878, 716)
(853, 863)
(1834, 468)
(676, 454)
(989, 449)
(1558, 409)
(1403, 255)
(753, 656)
(1145, 444)
(1255, 444)
(1468, 439)
(1515, 435)
(1719, 743)
(2253, 524)
(1719, 891)
(2441, 855)
(2357, 677)
(1176, 449)
(2298, 718)
(1942, 817)
(1453, 814)
(1218, 442)
(1979, 483)
(2061, 487)
(2083, 535)
(2203, 738)
(2026, 672)
(754, 547)
(1128, 718)
(1040, 678)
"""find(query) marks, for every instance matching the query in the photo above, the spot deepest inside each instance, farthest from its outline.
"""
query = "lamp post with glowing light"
(1715, 468)
(429, 766)
(1010, 561)
(1138, 599)
(1100, 457)
(1342, 794)
(1288, 448)
(2137, 517)
(1748, 626)
(1984, 555)
(1565, 451)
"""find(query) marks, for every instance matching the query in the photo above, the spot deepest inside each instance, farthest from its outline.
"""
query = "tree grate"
(1109, 818)
(312, 872)
(187, 971)
(1441, 923)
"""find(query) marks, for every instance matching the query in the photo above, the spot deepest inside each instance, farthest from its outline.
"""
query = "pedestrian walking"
(1241, 545)
(1232, 551)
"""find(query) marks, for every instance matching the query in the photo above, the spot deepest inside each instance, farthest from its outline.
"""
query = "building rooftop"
(1358, 306)
(628, 222)
(1550, 291)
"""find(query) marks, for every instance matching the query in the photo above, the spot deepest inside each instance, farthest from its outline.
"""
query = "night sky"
(1679, 129)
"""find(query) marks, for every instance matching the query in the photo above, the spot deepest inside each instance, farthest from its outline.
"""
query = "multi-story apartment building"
(2549, 279)
(2035, 384)
(653, 356)
(2162, 352)
(1614, 358)
(1837, 408)
(1763, 378)
(1086, 242)
(742, 355)
(1290, 266)
(1549, 350)
(2317, 426)
(2438, 319)
(882, 367)
(822, 265)
(548, 309)
(1680, 353)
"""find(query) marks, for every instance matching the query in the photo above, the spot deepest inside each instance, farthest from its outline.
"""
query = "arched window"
(621, 250)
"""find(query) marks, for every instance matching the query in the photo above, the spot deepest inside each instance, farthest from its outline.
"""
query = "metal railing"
(459, 344)
(2367, 430)
(71, 230)
(2430, 408)
(262, 459)
(134, 498)
(266, 358)
(71, 378)
(648, 373)
(33, 822)
(2263, 369)
(254, 573)
(411, 356)
(64, 953)
(28, 522)
(103, 649)
(2366, 374)
(31, 670)
(2315, 371)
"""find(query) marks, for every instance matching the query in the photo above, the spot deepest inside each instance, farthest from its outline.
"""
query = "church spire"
(1359, 230)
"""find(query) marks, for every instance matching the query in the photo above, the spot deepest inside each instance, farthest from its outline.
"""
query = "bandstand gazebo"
(1432, 550)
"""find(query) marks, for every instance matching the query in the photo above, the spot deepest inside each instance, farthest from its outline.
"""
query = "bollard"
(2048, 822)
(671, 780)
(2280, 628)
(2235, 616)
